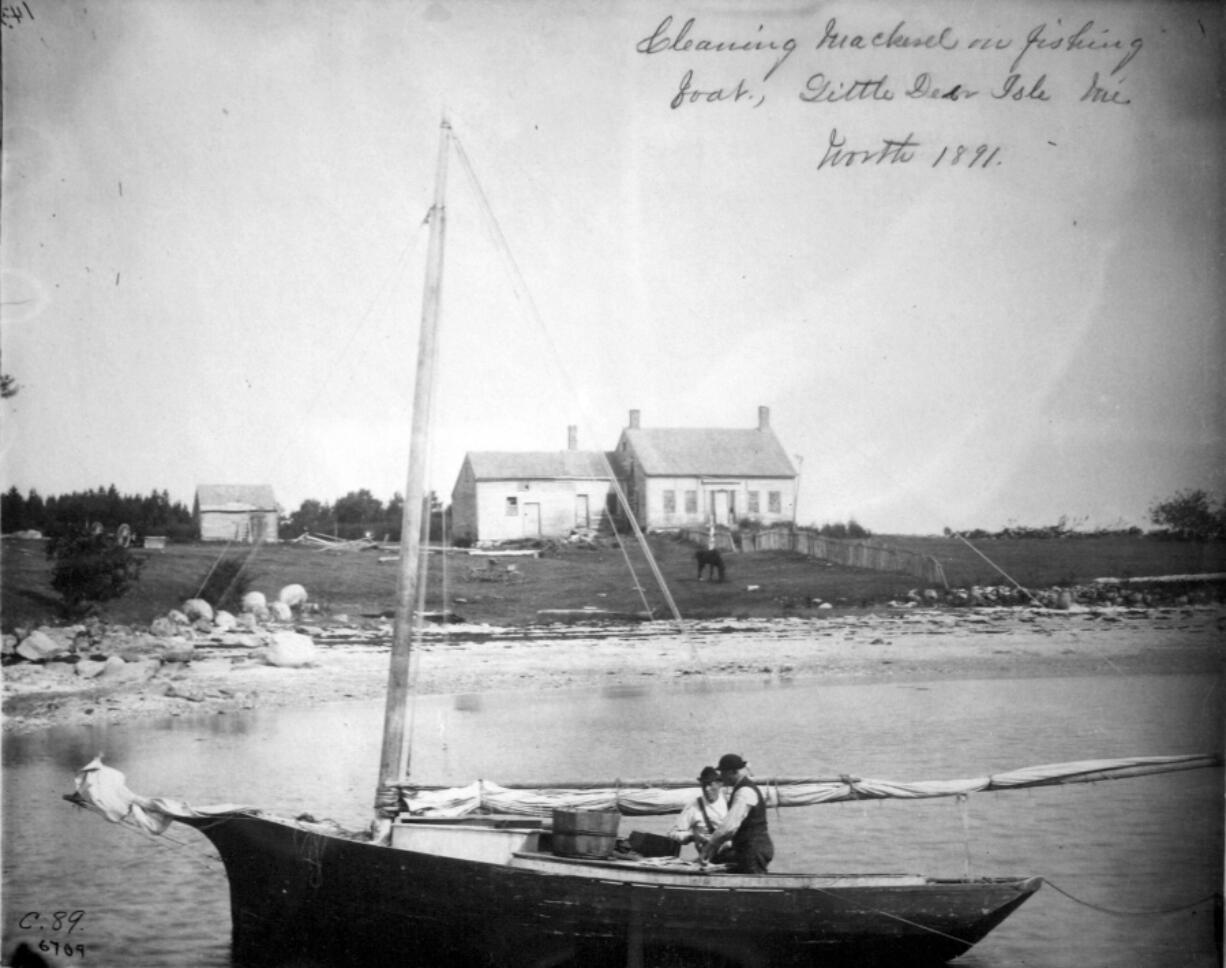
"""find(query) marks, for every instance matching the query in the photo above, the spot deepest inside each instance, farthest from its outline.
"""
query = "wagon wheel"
(123, 535)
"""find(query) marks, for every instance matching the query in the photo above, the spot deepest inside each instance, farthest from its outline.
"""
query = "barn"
(504, 495)
(236, 512)
(682, 477)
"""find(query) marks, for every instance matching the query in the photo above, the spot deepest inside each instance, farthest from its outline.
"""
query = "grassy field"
(358, 584)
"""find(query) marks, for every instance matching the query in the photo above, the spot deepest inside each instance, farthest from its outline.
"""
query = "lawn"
(762, 584)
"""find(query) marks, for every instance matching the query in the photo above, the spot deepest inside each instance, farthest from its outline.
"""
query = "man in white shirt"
(702, 814)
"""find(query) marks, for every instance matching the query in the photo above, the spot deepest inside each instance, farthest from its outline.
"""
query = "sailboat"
(486, 875)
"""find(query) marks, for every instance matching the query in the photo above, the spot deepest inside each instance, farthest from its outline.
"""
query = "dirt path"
(885, 645)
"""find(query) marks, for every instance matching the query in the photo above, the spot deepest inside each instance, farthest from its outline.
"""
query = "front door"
(582, 518)
(532, 520)
(719, 507)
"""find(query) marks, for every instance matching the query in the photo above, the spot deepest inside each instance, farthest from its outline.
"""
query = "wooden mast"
(393, 763)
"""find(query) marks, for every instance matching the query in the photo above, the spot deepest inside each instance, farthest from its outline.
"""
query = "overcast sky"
(213, 244)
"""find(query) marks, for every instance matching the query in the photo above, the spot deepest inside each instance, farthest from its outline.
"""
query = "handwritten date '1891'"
(904, 151)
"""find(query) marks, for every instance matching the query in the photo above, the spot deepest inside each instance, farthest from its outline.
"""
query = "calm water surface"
(1141, 845)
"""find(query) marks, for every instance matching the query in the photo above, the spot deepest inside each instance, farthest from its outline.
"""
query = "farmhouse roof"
(491, 465)
(235, 497)
(710, 452)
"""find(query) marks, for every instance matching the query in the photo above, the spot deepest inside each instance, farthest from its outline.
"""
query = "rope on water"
(1134, 913)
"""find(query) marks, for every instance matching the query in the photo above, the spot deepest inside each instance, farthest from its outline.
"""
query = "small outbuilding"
(236, 512)
(504, 495)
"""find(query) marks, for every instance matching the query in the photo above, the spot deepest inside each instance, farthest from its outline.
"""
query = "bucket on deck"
(584, 833)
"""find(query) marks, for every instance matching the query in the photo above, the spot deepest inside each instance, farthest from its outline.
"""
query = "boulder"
(137, 671)
(197, 608)
(248, 622)
(224, 621)
(178, 617)
(38, 646)
(290, 650)
(254, 602)
(89, 668)
(177, 650)
(130, 647)
(280, 612)
(293, 595)
(163, 627)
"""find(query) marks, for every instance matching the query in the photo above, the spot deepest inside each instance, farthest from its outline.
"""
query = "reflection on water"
(1137, 845)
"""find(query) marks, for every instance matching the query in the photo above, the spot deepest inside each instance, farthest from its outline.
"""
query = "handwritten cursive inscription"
(850, 65)
(902, 151)
(659, 41)
(687, 93)
(891, 151)
(1082, 39)
(820, 88)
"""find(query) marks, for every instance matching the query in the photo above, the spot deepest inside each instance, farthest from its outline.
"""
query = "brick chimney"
(634, 420)
(572, 437)
(764, 418)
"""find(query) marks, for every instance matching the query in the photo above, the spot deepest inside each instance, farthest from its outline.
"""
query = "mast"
(393, 762)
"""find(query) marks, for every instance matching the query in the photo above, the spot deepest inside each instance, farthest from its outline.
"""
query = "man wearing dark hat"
(745, 824)
(702, 814)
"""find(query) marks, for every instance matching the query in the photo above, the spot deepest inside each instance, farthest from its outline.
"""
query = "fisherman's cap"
(730, 761)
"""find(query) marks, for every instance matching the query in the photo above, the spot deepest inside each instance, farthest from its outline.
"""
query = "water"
(1134, 845)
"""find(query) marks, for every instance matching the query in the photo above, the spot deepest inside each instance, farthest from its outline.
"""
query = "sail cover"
(640, 799)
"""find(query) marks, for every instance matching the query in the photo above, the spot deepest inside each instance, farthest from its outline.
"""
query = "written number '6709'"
(968, 156)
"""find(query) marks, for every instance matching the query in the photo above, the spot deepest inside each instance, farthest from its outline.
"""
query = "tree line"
(55, 515)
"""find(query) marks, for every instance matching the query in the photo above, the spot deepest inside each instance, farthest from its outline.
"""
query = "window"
(775, 501)
(512, 507)
(753, 502)
(670, 502)
(691, 502)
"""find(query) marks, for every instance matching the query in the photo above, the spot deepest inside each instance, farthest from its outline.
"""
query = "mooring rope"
(1150, 912)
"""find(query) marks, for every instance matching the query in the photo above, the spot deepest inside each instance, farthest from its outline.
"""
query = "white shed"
(236, 512)
(503, 495)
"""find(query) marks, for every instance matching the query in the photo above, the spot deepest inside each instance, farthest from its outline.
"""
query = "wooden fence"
(853, 554)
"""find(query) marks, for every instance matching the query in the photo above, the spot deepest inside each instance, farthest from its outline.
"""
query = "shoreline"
(877, 646)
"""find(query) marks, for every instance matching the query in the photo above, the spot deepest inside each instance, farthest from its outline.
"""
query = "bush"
(91, 567)
(226, 583)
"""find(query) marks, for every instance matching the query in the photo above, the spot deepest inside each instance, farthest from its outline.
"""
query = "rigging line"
(638, 586)
(1133, 913)
(525, 296)
(1024, 591)
(216, 561)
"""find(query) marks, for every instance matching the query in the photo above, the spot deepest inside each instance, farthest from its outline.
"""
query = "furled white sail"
(639, 798)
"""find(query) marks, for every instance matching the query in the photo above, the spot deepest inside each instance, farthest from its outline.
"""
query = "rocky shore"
(185, 664)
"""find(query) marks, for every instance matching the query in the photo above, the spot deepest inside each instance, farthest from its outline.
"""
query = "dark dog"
(711, 561)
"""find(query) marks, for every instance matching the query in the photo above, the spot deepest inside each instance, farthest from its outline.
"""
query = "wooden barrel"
(584, 833)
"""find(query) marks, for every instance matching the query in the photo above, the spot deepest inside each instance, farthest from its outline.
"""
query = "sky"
(213, 244)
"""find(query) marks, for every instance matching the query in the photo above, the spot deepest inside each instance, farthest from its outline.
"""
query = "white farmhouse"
(690, 477)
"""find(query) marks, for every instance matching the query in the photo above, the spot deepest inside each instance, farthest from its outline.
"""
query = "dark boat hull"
(301, 897)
